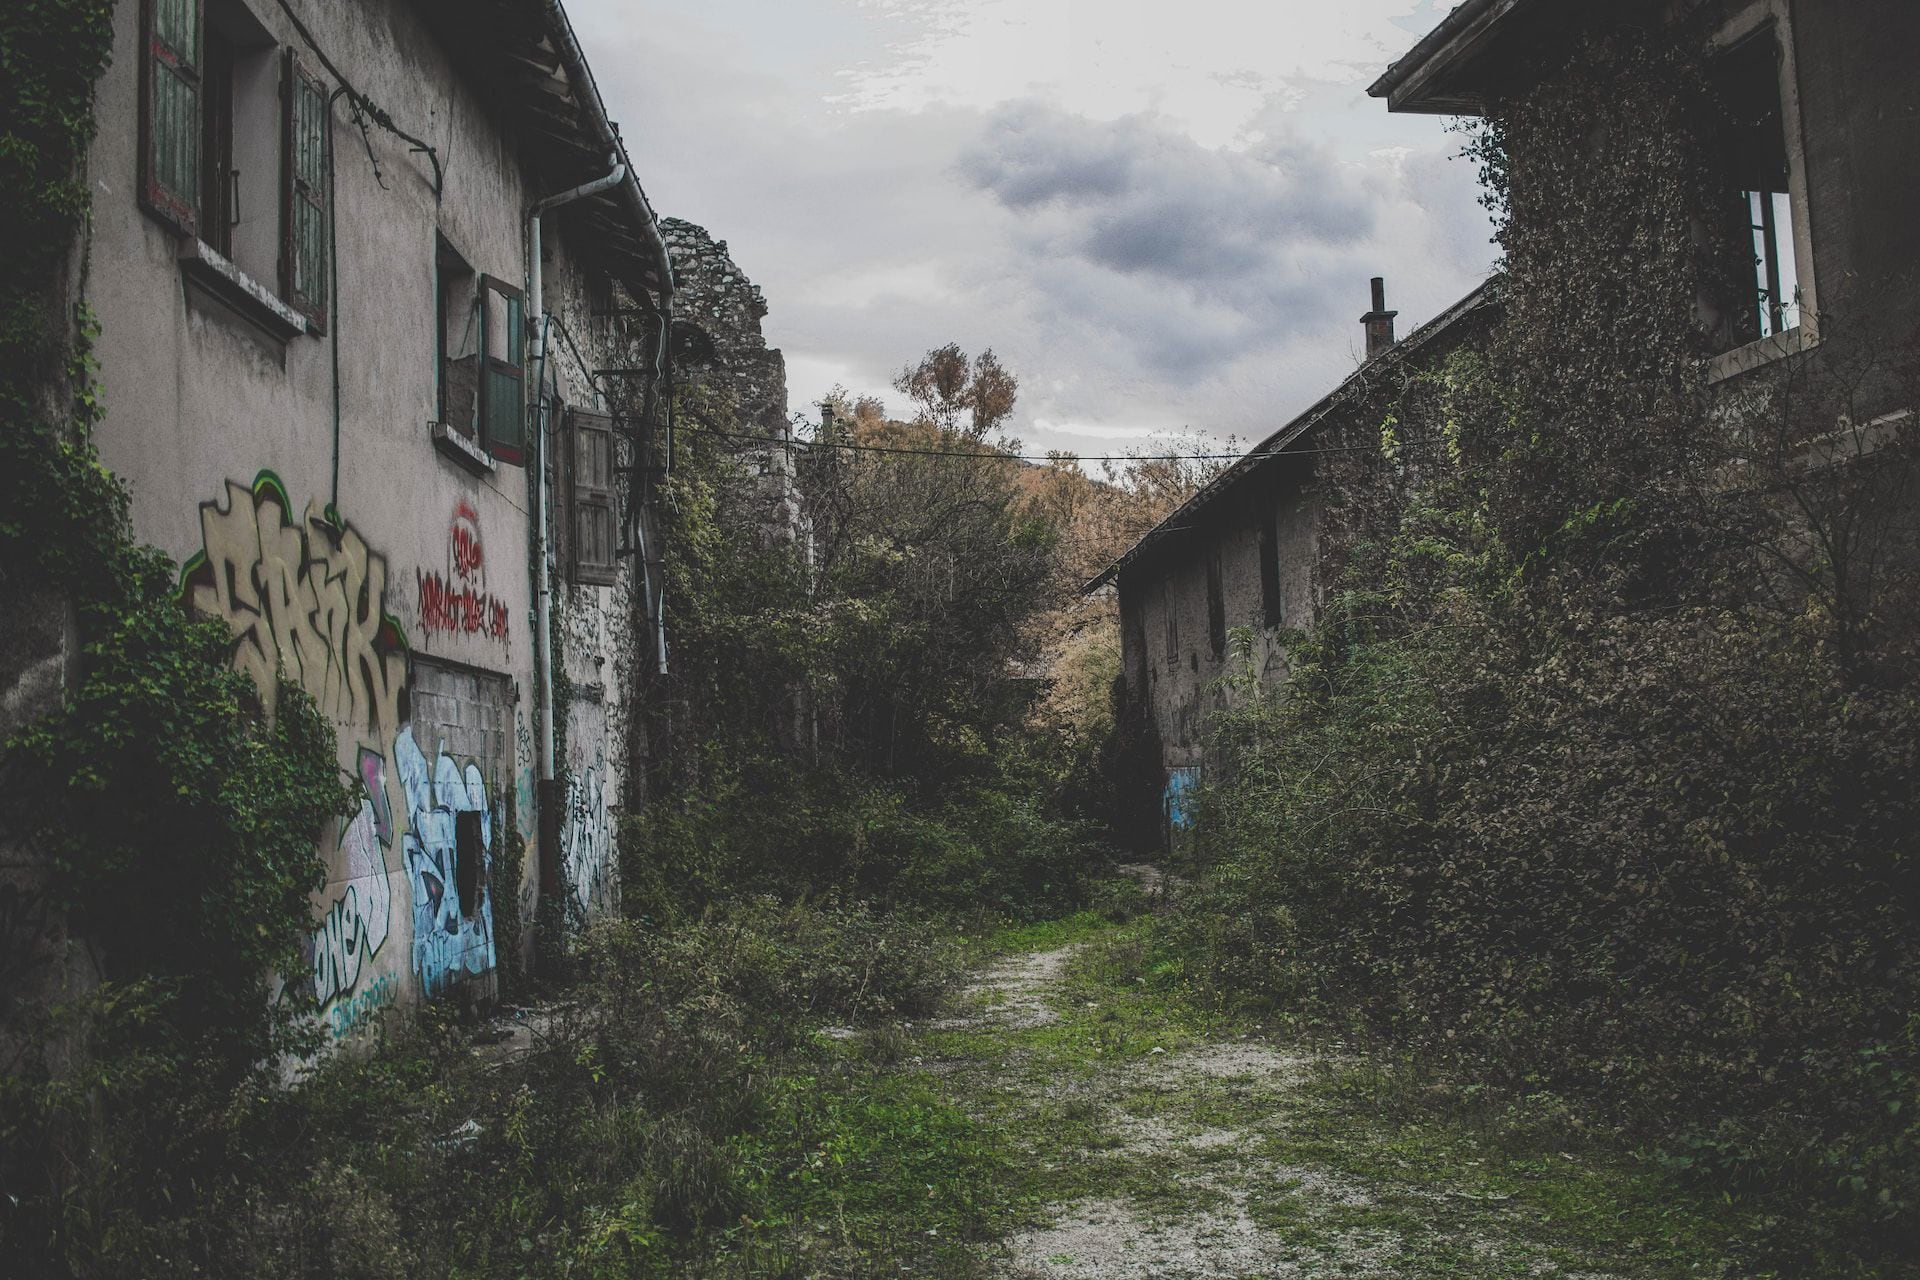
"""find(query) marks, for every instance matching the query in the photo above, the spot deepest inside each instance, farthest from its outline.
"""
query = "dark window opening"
(469, 860)
(1272, 613)
(1216, 609)
(1761, 269)
(1171, 624)
(457, 307)
(219, 180)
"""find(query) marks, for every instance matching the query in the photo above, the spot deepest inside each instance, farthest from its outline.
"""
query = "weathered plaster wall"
(604, 640)
(1174, 670)
(227, 440)
(1860, 126)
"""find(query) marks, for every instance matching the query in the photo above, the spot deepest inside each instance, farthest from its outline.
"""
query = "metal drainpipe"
(543, 630)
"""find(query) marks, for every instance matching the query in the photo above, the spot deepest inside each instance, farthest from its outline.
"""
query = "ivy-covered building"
(1246, 552)
(379, 296)
(1810, 132)
(1786, 142)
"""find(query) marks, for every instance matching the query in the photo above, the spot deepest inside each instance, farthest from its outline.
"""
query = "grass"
(968, 1133)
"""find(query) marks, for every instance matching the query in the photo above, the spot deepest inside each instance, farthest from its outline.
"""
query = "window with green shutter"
(170, 112)
(503, 405)
(590, 490)
(303, 203)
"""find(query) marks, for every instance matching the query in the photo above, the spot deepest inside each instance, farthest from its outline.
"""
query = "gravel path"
(1153, 1142)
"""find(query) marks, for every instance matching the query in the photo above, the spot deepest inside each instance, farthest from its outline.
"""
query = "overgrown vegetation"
(174, 827)
(676, 1115)
(1595, 779)
(853, 683)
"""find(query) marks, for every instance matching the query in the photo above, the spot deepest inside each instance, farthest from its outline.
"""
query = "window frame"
(1805, 335)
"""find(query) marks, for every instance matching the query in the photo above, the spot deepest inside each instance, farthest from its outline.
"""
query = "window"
(1216, 608)
(469, 859)
(503, 406)
(1171, 620)
(1272, 612)
(233, 149)
(590, 485)
(457, 310)
(1759, 231)
(303, 202)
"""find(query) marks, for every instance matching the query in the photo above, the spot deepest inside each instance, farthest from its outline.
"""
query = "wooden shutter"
(170, 32)
(303, 192)
(503, 406)
(590, 459)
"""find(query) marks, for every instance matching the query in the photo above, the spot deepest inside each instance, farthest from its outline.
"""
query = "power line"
(986, 456)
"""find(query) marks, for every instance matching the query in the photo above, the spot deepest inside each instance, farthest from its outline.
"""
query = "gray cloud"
(1131, 277)
(1144, 199)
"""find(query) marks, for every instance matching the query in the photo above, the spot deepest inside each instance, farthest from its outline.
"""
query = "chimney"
(1379, 321)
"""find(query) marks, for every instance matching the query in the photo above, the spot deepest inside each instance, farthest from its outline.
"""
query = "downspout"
(543, 629)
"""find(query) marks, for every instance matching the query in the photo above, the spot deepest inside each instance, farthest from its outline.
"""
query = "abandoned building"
(1822, 159)
(379, 293)
(1822, 153)
(1245, 552)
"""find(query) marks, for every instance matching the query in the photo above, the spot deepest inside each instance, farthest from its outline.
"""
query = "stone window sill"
(216, 274)
(461, 451)
(1731, 364)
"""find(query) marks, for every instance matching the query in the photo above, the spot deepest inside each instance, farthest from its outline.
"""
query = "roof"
(525, 57)
(1286, 438)
(1438, 75)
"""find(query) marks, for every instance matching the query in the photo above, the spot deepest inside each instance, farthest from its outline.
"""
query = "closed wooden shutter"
(303, 205)
(503, 406)
(170, 112)
(591, 459)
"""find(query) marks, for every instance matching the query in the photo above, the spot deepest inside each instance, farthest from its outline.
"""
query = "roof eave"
(1284, 439)
(1424, 80)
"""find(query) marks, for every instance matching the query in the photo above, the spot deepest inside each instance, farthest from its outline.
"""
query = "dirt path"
(1153, 1142)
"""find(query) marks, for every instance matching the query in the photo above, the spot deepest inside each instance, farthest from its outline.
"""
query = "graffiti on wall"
(449, 855)
(355, 926)
(1177, 799)
(522, 770)
(457, 602)
(586, 844)
(306, 600)
(302, 597)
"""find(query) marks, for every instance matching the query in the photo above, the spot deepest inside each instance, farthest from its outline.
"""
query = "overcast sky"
(1158, 215)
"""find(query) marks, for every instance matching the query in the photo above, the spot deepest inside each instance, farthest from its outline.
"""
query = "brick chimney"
(1379, 321)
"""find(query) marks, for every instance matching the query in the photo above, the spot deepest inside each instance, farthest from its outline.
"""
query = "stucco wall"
(227, 440)
(1177, 681)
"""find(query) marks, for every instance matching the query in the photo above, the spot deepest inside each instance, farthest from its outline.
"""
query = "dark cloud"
(1135, 195)
(1129, 275)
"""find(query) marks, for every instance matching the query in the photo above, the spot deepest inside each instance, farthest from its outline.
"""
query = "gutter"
(639, 212)
(1407, 63)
